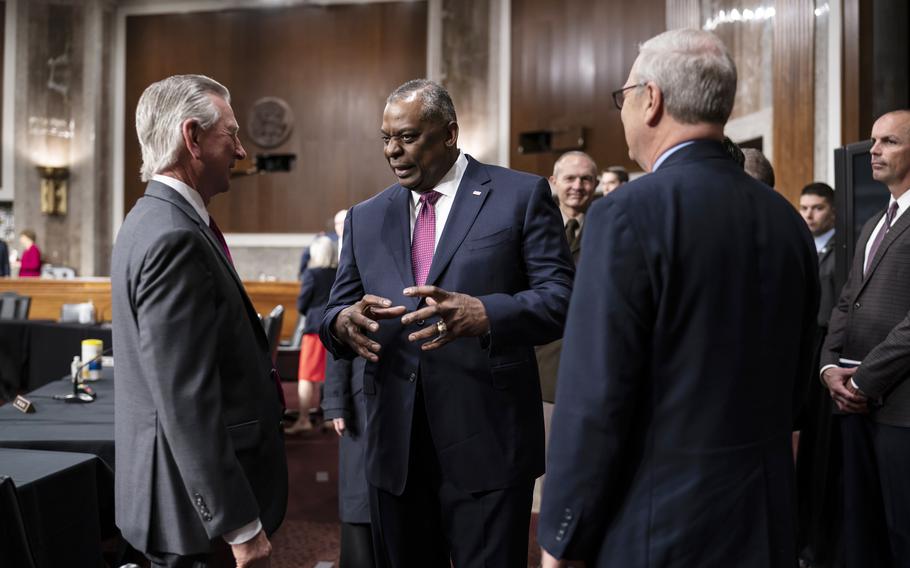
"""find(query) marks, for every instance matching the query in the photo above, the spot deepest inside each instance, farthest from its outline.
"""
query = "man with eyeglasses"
(688, 332)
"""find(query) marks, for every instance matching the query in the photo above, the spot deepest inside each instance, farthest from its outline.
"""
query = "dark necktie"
(424, 242)
(220, 236)
(880, 236)
(572, 226)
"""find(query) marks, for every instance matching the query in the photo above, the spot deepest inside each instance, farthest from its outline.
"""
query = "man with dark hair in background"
(818, 443)
(613, 177)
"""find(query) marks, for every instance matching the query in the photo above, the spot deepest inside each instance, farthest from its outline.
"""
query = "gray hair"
(161, 112)
(574, 154)
(323, 253)
(695, 73)
(437, 103)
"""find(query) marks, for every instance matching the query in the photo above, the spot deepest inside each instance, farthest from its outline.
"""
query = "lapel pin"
(475, 192)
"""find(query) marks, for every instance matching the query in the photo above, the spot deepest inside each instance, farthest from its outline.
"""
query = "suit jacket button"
(412, 377)
(420, 322)
(856, 306)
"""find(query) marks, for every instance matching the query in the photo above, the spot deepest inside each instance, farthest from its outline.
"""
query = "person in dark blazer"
(200, 458)
(314, 293)
(447, 281)
(865, 363)
(691, 323)
(345, 405)
(4, 259)
(818, 448)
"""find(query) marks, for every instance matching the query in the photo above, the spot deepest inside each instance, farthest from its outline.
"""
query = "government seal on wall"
(271, 122)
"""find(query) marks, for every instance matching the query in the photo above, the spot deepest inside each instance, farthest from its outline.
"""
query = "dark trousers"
(876, 493)
(433, 521)
(219, 557)
(356, 546)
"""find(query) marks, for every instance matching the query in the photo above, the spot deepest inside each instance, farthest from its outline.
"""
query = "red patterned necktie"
(423, 243)
(214, 227)
(889, 218)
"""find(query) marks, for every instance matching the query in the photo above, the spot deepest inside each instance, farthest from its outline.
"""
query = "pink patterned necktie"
(424, 241)
(880, 236)
(214, 227)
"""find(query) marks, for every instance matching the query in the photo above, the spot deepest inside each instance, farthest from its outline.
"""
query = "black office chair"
(13, 538)
(272, 325)
(13, 306)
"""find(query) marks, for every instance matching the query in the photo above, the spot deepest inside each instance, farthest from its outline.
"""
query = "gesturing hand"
(353, 322)
(460, 316)
(847, 398)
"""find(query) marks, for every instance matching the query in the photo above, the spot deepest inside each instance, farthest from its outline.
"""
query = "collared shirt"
(188, 193)
(823, 239)
(663, 157)
(580, 219)
(902, 204)
(248, 531)
(447, 186)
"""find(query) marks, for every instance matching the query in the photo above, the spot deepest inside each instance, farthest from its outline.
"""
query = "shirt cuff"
(825, 368)
(245, 533)
(853, 384)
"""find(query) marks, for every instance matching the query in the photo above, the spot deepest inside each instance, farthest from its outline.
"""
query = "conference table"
(63, 454)
(34, 352)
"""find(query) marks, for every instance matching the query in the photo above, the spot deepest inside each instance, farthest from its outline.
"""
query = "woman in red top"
(30, 266)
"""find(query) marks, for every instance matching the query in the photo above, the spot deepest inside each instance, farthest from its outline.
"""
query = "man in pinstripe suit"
(871, 326)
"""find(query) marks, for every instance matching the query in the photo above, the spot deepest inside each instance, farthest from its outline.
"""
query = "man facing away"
(689, 330)
(447, 281)
(200, 457)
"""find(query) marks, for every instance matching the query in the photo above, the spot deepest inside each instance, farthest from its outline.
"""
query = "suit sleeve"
(336, 402)
(888, 364)
(176, 313)
(347, 290)
(536, 316)
(810, 331)
(601, 379)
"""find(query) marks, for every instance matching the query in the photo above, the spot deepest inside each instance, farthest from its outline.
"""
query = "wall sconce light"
(53, 189)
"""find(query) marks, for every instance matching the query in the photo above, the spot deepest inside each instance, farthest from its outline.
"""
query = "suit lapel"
(396, 235)
(162, 191)
(899, 227)
(471, 194)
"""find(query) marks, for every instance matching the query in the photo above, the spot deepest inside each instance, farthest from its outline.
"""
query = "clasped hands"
(460, 316)
(845, 396)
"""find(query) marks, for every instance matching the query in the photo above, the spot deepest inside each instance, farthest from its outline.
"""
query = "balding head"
(891, 151)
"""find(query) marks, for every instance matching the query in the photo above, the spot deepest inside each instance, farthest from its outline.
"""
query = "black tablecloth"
(34, 352)
(66, 501)
(61, 426)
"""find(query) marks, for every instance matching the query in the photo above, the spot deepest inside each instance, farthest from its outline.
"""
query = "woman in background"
(30, 267)
(314, 294)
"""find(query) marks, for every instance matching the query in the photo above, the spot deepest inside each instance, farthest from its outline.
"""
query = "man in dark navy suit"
(447, 281)
(688, 332)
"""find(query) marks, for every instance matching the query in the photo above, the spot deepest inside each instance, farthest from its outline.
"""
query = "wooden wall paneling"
(856, 81)
(794, 98)
(566, 59)
(333, 64)
(48, 297)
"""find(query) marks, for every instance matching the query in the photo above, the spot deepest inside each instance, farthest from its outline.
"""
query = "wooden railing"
(48, 297)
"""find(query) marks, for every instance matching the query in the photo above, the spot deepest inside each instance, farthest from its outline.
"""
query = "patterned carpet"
(310, 532)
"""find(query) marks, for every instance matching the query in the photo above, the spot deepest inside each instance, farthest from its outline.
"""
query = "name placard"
(23, 404)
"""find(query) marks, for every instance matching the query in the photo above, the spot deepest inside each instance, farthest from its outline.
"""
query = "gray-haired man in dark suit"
(200, 459)
(871, 326)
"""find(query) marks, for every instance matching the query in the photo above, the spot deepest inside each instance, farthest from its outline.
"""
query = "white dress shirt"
(251, 529)
(823, 239)
(447, 186)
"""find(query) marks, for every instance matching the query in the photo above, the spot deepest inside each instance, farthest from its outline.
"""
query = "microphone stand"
(81, 394)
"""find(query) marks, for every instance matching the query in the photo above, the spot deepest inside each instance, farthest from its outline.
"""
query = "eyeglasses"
(619, 95)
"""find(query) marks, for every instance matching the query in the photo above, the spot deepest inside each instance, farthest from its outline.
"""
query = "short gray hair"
(160, 114)
(574, 154)
(437, 103)
(695, 73)
(323, 253)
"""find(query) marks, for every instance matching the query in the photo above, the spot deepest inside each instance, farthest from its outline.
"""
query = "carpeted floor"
(309, 534)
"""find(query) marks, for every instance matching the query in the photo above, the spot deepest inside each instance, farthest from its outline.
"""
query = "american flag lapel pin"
(475, 192)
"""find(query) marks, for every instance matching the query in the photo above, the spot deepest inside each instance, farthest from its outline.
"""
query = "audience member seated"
(30, 267)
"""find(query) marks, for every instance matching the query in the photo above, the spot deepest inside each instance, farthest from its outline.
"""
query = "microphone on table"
(81, 393)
